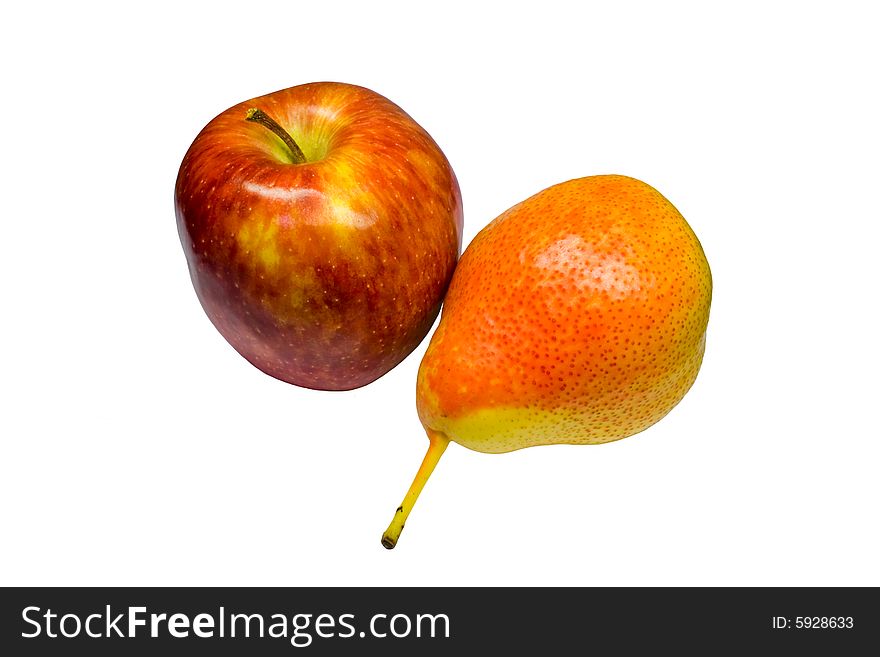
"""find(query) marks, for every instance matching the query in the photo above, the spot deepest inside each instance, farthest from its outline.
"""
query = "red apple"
(321, 225)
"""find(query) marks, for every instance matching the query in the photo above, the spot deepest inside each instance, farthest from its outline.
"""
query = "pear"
(576, 317)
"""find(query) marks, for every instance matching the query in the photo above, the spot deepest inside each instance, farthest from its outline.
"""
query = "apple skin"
(329, 273)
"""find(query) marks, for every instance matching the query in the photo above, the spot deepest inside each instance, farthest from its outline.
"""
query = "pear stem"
(259, 116)
(437, 446)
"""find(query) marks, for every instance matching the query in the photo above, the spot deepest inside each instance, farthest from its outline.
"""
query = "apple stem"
(259, 116)
(438, 445)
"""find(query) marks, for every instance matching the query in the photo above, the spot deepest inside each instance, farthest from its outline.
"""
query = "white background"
(138, 448)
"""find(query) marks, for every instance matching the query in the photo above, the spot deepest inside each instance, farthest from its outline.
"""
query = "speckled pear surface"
(578, 316)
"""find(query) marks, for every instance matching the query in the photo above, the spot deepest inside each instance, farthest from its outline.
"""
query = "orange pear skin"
(576, 317)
